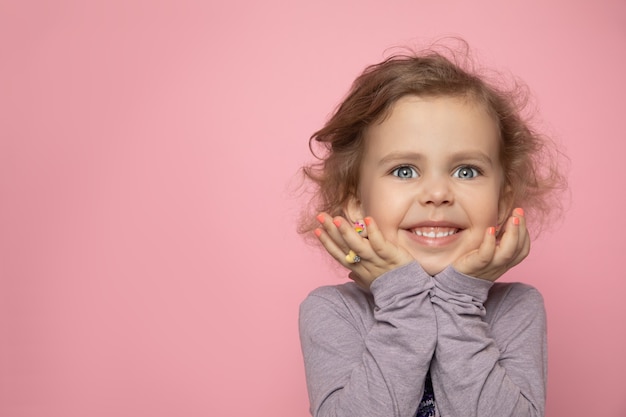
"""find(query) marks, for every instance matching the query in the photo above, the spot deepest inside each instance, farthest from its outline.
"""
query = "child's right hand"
(377, 255)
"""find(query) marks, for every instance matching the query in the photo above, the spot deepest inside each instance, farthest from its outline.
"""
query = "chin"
(433, 263)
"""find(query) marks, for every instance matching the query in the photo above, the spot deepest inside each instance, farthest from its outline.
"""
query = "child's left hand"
(492, 259)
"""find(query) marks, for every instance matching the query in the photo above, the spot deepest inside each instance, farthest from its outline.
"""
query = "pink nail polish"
(492, 231)
(368, 221)
(317, 232)
(516, 221)
(519, 211)
(337, 222)
(320, 218)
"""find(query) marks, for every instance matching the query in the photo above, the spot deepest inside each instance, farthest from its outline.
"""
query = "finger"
(327, 224)
(510, 244)
(385, 254)
(478, 259)
(487, 248)
(330, 245)
(331, 239)
(345, 244)
(373, 233)
(523, 239)
(352, 238)
(523, 253)
(378, 243)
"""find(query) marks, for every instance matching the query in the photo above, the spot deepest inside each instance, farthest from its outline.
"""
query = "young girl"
(420, 194)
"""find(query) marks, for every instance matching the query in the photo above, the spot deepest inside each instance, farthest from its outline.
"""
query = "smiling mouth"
(435, 232)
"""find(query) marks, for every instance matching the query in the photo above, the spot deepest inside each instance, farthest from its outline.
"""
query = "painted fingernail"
(519, 211)
(359, 227)
(320, 218)
(317, 232)
(492, 231)
(516, 221)
(368, 221)
(337, 222)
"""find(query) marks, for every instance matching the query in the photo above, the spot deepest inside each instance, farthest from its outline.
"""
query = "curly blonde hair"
(531, 161)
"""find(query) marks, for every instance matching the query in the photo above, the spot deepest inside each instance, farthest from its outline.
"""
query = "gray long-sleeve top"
(368, 353)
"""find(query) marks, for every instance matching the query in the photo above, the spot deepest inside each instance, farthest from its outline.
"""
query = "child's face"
(431, 178)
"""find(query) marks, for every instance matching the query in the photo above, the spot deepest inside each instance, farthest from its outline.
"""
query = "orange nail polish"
(519, 211)
(317, 232)
(320, 218)
(368, 221)
(337, 222)
(516, 220)
(492, 231)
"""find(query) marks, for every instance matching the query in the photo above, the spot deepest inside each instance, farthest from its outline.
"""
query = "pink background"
(149, 263)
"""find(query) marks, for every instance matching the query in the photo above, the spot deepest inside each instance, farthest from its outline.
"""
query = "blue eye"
(466, 172)
(404, 172)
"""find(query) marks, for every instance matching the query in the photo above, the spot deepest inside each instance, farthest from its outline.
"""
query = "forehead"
(434, 125)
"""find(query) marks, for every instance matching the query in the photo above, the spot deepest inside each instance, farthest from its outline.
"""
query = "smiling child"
(420, 195)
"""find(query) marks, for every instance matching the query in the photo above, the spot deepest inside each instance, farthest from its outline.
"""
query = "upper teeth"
(435, 232)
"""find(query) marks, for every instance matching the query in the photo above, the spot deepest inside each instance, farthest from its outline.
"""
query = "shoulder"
(347, 296)
(513, 293)
(331, 305)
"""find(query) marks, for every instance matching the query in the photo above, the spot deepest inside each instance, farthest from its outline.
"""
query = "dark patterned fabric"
(427, 405)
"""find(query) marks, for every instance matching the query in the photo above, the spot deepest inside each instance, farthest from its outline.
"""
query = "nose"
(435, 190)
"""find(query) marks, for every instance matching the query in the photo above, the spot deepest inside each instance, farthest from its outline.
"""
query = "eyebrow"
(476, 156)
(400, 156)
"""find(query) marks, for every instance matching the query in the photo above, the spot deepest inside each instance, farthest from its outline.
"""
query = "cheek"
(483, 211)
(369, 196)
(385, 199)
(491, 214)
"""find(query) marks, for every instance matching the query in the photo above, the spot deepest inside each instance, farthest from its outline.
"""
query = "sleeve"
(376, 370)
(481, 369)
